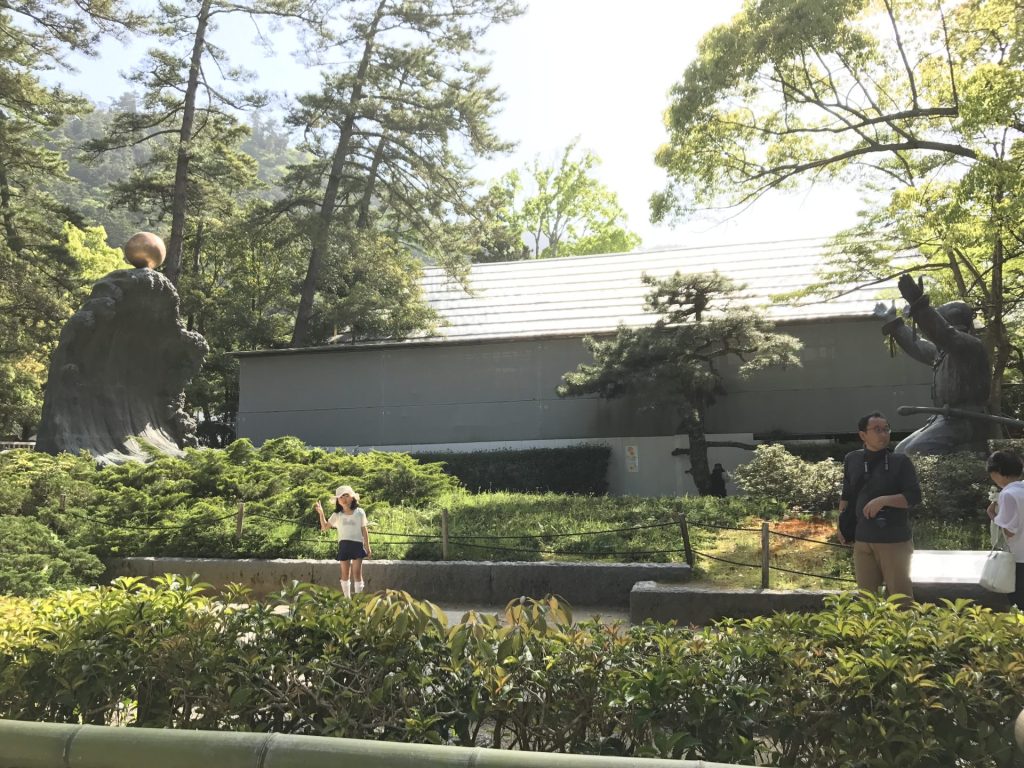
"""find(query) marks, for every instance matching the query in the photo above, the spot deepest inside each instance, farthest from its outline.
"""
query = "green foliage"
(915, 103)
(776, 474)
(954, 492)
(676, 361)
(188, 506)
(378, 168)
(34, 560)
(571, 213)
(574, 469)
(860, 683)
(42, 276)
(954, 488)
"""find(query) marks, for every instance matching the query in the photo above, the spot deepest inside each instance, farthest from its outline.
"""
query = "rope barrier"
(573, 533)
(725, 560)
(601, 553)
(156, 527)
(720, 527)
(396, 538)
(804, 538)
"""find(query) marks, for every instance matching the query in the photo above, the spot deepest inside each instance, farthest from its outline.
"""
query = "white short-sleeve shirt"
(350, 527)
(1010, 517)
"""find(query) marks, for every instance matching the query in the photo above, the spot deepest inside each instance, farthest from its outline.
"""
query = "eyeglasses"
(879, 430)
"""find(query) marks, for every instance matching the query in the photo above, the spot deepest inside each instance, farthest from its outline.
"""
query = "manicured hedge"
(862, 683)
(574, 469)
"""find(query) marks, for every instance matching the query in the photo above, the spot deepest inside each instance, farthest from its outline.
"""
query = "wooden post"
(765, 539)
(444, 534)
(238, 520)
(687, 549)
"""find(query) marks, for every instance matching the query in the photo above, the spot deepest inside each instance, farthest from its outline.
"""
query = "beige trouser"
(889, 564)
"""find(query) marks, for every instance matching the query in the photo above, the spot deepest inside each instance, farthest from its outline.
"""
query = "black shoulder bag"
(848, 517)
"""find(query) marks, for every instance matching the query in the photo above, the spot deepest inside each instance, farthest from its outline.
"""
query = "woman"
(353, 538)
(1007, 470)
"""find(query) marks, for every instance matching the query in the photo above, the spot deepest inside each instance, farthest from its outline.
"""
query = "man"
(879, 487)
(961, 370)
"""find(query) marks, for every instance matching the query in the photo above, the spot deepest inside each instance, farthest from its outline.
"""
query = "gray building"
(487, 378)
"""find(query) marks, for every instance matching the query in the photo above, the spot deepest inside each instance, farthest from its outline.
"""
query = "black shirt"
(884, 474)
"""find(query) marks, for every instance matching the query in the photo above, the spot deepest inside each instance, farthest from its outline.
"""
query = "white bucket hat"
(343, 489)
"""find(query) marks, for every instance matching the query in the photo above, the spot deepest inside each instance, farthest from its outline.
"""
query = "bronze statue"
(116, 379)
(959, 418)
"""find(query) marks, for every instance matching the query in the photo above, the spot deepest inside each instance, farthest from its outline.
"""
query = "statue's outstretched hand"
(909, 289)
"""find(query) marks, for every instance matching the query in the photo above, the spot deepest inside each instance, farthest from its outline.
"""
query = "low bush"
(187, 506)
(860, 683)
(574, 469)
(774, 474)
(954, 488)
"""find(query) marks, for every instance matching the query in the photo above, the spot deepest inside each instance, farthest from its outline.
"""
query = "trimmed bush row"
(574, 469)
(862, 683)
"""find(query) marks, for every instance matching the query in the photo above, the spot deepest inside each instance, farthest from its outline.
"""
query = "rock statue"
(959, 418)
(117, 377)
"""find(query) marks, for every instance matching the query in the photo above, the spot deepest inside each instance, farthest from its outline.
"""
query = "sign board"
(632, 458)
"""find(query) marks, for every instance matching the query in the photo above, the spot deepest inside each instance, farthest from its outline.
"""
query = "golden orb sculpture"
(144, 249)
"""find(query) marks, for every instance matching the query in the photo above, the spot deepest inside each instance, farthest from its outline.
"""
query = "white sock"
(358, 586)
(346, 588)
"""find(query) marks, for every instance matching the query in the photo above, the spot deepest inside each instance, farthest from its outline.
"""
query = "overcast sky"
(596, 69)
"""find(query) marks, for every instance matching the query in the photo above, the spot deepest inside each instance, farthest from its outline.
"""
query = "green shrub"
(777, 475)
(574, 469)
(187, 506)
(34, 560)
(860, 683)
(953, 487)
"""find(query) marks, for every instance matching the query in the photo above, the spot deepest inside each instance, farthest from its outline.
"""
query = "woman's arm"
(366, 541)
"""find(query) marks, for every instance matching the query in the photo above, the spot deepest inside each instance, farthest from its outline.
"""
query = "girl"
(1006, 470)
(353, 538)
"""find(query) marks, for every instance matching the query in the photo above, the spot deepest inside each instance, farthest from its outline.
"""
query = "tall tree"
(41, 275)
(571, 213)
(174, 77)
(677, 360)
(389, 134)
(917, 102)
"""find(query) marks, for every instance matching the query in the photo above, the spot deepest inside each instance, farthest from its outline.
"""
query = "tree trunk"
(197, 249)
(322, 225)
(364, 205)
(14, 241)
(699, 469)
(998, 337)
(179, 198)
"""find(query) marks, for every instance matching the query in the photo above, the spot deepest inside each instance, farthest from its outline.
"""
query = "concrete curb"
(701, 604)
(474, 582)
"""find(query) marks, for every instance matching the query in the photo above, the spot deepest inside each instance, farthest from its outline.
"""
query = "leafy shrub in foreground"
(860, 683)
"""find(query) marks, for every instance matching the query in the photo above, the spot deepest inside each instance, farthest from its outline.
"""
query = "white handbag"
(999, 571)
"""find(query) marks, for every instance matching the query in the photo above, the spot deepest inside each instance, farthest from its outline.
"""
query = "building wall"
(502, 394)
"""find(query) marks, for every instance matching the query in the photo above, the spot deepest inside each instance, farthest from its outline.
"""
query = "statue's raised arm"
(962, 373)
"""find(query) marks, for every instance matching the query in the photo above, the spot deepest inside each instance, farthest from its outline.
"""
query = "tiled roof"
(593, 294)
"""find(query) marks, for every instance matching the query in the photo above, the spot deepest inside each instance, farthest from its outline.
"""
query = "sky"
(599, 70)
